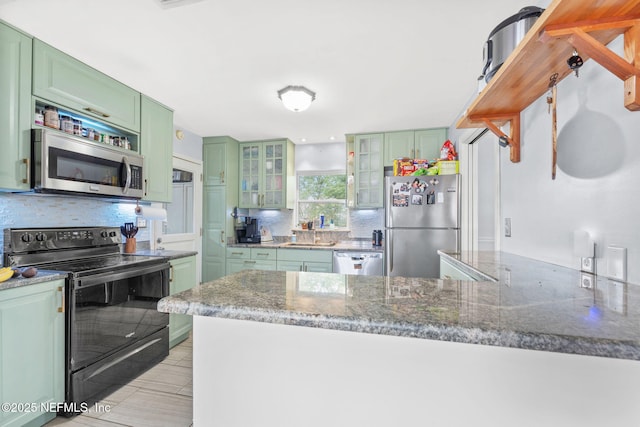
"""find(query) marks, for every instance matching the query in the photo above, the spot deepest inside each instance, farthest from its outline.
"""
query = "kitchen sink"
(322, 244)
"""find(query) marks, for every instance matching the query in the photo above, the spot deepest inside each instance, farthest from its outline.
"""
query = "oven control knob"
(112, 234)
(104, 234)
(41, 237)
(27, 238)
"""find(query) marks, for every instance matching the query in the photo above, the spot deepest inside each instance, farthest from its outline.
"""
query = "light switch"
(617, 263)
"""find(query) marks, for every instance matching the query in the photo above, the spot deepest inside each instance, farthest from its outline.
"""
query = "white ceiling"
(375, 64)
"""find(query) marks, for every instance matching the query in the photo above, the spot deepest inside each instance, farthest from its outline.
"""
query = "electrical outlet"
(587, 280)
(507, 277)
(588, 265)
(507, 227)
(141, 222)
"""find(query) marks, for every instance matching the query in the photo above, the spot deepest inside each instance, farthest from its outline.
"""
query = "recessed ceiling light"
(303, 140)
(332, 138)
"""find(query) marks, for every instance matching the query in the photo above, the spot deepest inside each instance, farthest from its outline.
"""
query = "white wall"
(189, 146)
(596, 188)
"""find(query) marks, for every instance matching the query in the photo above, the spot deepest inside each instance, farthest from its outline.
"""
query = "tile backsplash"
(37, 210)
(361, 221)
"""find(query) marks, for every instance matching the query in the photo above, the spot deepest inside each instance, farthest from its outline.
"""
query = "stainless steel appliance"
(66, 164)
(113, 329)
(505, 37)
(249, 232)
(421, 216)
(359, 263)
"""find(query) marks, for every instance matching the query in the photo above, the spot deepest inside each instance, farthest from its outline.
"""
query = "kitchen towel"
(151, 213)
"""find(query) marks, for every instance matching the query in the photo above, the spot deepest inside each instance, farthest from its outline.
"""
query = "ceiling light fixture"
(296, 98)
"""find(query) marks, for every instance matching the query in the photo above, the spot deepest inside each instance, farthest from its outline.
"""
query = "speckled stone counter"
(42, 276)
(169, 254)
(346, 245)
(538, 307)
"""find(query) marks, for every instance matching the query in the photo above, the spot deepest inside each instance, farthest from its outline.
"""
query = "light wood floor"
(162, 396)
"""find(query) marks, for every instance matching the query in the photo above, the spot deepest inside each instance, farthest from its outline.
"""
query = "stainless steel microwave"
(69, 164)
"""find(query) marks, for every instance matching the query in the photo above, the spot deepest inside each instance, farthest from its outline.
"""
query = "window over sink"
(322, 193)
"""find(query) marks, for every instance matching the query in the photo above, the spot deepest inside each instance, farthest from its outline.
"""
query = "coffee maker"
(249, 232)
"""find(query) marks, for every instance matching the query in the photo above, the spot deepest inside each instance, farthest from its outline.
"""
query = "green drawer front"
(261, 254)
(238, 253)
(312, 255)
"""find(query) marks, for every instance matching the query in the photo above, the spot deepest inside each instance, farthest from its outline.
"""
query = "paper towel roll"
(583, 245)
(151, 213)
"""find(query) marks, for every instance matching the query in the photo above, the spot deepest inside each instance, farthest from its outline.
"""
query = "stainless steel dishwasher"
(363, 263)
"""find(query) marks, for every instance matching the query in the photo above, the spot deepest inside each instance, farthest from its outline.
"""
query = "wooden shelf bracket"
(626, 69)
(493, 123)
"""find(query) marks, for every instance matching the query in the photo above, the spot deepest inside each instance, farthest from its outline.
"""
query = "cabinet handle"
(222, 237)
(305, 268)
(418, 153)
(447, 277)
(249, 262)
(262, 254)
(26, 179)
(170, 273)
(61, 308)
(236, 253)
(94, 111)
(146, 185)
(412, 153)
(222, 177)
(357, 198)
(300, 269)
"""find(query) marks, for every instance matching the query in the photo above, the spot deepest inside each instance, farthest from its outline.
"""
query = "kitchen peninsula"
(534, 348)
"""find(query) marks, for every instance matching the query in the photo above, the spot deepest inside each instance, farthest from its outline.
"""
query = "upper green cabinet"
(15, 108)
(156, 145)
(61, 79)
(414, 144)
(267, 176)
(369, 170)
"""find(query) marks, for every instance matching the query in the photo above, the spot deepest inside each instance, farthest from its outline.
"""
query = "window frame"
(320, 172)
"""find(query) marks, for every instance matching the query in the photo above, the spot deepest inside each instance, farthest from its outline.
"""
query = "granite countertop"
(532, 305)
(165, 253)
(42, 276)
(345, 245)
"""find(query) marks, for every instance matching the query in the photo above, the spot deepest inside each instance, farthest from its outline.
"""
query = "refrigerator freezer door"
(414, 253)
(433, 203)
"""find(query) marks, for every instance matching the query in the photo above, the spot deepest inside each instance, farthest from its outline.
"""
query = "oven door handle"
(98, 279)
(127, 182)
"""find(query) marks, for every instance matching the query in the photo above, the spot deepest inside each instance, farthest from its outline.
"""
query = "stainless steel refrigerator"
(422, 215)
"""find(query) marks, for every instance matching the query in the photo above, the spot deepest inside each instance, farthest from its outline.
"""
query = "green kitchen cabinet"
(414, 144)
(449, 271)
(428, 142)
(183, 277)
(369, 170)
(220, 156)
(397, 145)
(267, 174)
(63, 80)
(214, 243)
(239, 259)
(32, 351)
(156, 145)
(15, 108)
(318, 261)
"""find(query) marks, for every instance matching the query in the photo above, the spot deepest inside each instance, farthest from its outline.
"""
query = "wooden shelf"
(524, 77)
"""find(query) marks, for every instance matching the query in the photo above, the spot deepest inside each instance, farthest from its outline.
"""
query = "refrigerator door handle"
(390, 253)
(389, 205)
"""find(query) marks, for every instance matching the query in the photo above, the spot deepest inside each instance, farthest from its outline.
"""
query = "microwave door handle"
(127, 182)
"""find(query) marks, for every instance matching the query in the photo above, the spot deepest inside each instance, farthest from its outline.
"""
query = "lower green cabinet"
(239, 259)
(449, 271)
(31, 352)
(183, 277)
(318, 261)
